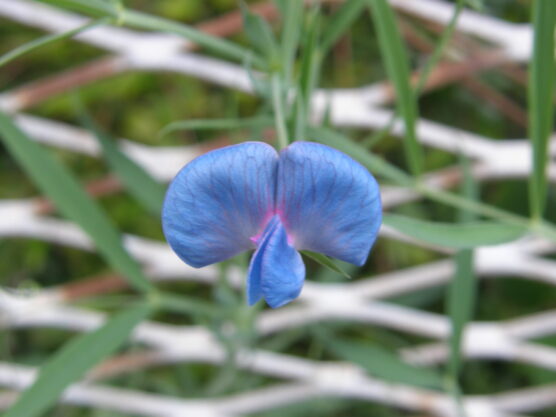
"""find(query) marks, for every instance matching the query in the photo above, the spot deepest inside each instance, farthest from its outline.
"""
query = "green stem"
(45, 40)
(424, 74)
(278, 113)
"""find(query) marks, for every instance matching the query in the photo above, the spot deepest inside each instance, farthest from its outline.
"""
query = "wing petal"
(219, 201)
(328, 202)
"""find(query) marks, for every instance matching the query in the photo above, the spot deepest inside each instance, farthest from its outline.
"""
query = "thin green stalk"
(291, 31)
(278, 107)
(309, 72)
(461, 295)
(396, 61)
(439, 49)
(45, 40)
(479, 208)
(540, 99)
(183, 304)
(425, 73)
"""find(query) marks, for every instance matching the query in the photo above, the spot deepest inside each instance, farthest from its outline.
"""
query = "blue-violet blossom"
(247, 196)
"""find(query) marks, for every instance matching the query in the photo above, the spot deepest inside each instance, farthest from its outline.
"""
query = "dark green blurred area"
(137, 105)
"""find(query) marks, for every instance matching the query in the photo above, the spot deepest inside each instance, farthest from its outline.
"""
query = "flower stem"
(278, 113)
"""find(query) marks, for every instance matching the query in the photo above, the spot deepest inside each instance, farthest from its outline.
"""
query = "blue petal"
(277, 271)
(328, 202)
(219, 201)
(254, 290)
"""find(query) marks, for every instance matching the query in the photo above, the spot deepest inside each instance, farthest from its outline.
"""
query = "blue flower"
(247, 196)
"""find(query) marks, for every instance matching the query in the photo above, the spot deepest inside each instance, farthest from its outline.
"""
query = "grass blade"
(308, 75)
(55, 181)
(397, 67)
(458, 236)
(439, 48)
(210, 124)
(424, 73)
(461, 296)
(278, 109)
(45, 40)
(326, 262)
(73, 360)
(291, 30)
(149, 192)
(382, 363)
(540, 98)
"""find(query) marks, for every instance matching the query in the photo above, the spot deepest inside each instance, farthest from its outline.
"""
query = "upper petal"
(328, 202)
(219, 201)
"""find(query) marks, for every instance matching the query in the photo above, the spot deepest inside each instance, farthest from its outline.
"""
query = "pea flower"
(248, 196)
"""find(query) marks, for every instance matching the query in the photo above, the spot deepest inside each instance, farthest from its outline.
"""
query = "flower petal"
(282, 271)
(328, 202)
(254, 290)
(219, 201)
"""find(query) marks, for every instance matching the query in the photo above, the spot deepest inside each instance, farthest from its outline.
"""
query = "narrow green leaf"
(461, 294)
(279, 113)
(425, 72)
(309, 72)
(310, 62)
(340, 22)
(292, 17)
(326, 262)
(436, 54)
(45, 40)
(73, 360)
(373, 163)
(397, 67)
(381, 363)
(541, 101)
(259, 34)
(459, 236)
(149, 192)
(185, 305)
(461, 298)
(60, 186)
(210, 124)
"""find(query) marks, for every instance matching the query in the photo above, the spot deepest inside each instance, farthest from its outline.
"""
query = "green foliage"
(541, 100)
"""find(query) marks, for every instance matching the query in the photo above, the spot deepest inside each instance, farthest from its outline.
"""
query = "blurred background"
(132, 98)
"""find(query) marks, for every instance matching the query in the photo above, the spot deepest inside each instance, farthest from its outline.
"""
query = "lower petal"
(254, 290)
(282, 269)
